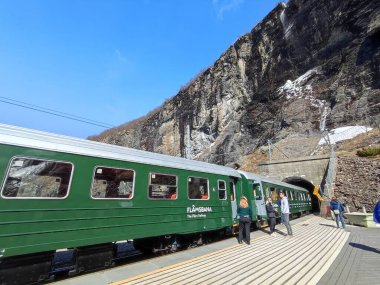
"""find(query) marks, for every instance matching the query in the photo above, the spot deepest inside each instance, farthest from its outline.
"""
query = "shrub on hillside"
(368, 151)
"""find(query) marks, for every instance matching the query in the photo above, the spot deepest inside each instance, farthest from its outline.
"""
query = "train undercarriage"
(46, 266)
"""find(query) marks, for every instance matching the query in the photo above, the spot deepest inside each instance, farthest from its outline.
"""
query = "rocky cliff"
(308, 65)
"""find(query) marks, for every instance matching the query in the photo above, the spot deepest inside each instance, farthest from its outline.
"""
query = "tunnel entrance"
(302, 182)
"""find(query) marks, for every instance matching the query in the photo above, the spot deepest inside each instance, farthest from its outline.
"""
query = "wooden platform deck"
(359, 260)
(302, 259)
(319, 253)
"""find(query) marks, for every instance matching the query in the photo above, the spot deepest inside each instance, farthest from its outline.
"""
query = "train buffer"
(318, 253)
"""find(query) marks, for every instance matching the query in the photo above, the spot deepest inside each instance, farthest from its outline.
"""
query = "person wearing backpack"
(376, 214)
(338, 210)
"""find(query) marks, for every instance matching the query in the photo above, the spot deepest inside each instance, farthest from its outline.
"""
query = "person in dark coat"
(338, 210)
(271, 212)
(245, 217)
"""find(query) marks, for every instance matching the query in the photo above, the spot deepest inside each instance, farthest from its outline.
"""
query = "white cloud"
(223, 6)
(120, 56)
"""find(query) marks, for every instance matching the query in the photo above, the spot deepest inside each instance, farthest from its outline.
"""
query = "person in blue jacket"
(338, 210)
(376, 213)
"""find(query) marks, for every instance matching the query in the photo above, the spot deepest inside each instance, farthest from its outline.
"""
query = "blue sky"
(111, 61)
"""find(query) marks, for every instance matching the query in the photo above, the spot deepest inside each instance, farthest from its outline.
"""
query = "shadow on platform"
(364, 247)
(327, 225)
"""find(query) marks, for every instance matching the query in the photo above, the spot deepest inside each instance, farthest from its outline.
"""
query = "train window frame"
(36, 198)
(274, 193)
(260, 188)
(168, 198)
(225, 190)
(208, 188)
(267, 191)
(110, 198)
(232, 191)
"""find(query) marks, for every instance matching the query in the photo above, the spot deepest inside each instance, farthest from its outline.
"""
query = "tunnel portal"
(304, 183)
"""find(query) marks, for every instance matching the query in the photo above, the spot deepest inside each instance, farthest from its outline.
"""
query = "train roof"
(12, 135)
(256, 177)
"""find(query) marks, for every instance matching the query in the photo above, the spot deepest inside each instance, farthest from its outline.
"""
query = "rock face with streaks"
(308, 65)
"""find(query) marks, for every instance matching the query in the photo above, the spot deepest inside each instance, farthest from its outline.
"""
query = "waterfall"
(322, 123)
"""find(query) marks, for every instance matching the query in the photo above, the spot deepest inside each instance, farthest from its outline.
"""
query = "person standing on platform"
(376, 214)
(279, 207)
(244, 213)
(285, 213)
(271, 212)
(338, 210)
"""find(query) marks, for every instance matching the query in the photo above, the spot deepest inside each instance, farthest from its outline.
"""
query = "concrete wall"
(357, 182)
(312, 168)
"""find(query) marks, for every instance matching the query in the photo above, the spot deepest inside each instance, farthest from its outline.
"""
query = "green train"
(62, 193)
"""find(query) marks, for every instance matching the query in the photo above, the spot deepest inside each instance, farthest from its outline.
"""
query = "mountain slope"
(308, 65)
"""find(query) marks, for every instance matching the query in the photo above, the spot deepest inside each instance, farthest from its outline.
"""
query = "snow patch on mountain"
(344, 133)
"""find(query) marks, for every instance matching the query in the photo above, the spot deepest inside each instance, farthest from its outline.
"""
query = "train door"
(233, 198)
(259, 199)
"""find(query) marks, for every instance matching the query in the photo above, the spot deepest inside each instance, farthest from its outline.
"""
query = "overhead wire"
(54, 112)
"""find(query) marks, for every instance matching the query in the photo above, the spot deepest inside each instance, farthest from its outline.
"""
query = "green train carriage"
(60, 192)
(258, 189)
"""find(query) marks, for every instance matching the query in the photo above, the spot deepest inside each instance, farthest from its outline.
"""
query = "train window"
(197, 188)
(232, 189)
(162, 186)
(37, 178)
(273, 194)
(222, 190)
(257, 191)
(112, 183)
